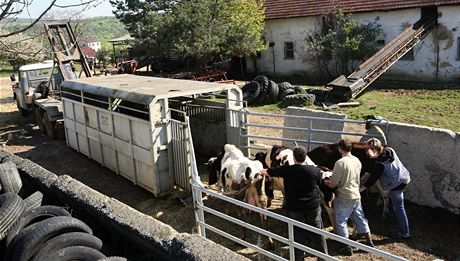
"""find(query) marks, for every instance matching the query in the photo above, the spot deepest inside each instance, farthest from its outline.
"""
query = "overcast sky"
(37, 7)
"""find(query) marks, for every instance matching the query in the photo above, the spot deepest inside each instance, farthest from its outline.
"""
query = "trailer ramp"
(70, 60)
(346, 88)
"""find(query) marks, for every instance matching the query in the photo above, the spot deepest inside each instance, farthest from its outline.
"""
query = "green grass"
(433, 108)
(6, 72)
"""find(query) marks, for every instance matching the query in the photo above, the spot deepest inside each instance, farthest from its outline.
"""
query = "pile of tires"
(262, 91)
(30, 231)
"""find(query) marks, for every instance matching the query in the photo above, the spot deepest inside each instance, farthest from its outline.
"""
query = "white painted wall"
(422, 68)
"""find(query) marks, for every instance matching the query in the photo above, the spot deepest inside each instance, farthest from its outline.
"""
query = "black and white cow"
(238, 176)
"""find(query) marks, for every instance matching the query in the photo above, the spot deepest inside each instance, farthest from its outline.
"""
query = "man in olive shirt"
(346, 177)
(302, 198)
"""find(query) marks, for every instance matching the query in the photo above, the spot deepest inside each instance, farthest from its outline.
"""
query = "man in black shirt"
(302, 198)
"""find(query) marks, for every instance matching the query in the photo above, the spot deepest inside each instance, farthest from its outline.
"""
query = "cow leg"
(245, 214)
(385, 199)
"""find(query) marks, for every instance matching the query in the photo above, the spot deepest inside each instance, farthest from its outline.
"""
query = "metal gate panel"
(180, 149)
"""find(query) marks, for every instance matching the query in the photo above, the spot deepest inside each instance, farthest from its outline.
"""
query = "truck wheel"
(21, 110)
(49, 126)
(39, 120)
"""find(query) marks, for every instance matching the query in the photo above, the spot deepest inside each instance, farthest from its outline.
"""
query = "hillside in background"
(105, 28)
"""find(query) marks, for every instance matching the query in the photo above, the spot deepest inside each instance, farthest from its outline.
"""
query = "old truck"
(38, 88)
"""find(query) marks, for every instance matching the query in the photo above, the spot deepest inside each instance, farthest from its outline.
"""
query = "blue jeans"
(397, 200)
(349, 208)
(311, 239)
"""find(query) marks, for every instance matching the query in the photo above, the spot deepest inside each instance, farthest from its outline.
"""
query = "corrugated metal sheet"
(142, 89)
(275, 9)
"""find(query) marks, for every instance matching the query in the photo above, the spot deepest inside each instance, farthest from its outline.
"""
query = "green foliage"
(341, 44)
(105, 55)
(206, 31)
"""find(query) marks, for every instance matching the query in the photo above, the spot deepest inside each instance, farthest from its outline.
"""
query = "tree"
(205, 31)
(342, 43)
(22, 44)
(104, 55)
(19, 49)
(11, 9)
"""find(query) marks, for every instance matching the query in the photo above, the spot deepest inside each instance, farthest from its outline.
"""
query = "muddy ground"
(436, 232)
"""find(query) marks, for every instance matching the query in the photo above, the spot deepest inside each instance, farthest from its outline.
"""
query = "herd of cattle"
(241, 177)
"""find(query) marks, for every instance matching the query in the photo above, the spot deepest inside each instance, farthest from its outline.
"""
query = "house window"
(288, 50)
(409, 56)
(458, 48)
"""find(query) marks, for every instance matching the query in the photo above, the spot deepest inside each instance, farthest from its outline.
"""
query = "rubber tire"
(49, 126)
(251, 91)
(299, 90)
(67, 240)
(285, 93)
(113, 258)
(32, 216)
(273, 91)
(22, 111)
(39, 119)
(263, 83)
(284, 86)
(43, 89)
(11, 209)
(33, 237)
(10, 179)
(298, 99)
(75, 253)
(33, 201)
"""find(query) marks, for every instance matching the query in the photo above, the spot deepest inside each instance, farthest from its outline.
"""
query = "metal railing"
(309, 130)
(200, 209)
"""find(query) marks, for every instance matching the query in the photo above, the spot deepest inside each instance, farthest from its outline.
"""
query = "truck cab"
(33, 84)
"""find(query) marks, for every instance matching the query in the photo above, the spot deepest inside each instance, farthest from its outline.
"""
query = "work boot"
(368, 238)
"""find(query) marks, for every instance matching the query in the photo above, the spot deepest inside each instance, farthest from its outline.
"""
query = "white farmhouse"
(435, 58)
(90, 41)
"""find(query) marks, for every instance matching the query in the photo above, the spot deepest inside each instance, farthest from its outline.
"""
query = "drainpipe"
(272, 45)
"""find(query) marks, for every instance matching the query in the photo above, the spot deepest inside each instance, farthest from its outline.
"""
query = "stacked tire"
(262, 91)
(30, 231)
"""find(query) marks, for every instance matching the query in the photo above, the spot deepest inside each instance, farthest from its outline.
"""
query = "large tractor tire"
(251, 92)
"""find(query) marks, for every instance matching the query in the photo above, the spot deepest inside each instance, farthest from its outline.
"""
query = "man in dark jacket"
(302, 198)
(393, 177)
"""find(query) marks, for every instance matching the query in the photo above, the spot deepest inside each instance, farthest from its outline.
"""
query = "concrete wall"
(431, 155)
(126, 226)
(426, 66)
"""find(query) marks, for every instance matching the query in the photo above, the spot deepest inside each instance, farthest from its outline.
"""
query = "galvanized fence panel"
(246, 128)
(198, 190)
(181, 160)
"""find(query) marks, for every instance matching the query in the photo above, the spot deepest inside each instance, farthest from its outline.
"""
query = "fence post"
(291, 240)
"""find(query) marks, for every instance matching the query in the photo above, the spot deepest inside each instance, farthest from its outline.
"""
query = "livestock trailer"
(138, 126)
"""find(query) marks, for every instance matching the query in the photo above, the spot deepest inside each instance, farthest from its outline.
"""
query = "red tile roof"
(88, 52)
(275, 9)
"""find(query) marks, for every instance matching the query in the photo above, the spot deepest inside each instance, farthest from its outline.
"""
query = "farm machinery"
(38, 88)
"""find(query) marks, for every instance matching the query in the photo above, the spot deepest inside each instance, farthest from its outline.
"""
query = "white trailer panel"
(124, 122)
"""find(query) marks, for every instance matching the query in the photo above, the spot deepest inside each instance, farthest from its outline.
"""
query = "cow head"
(214, 170)
(260, 156)
(285, 157)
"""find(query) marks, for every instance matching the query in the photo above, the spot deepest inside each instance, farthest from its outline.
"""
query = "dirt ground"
(436, 232)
